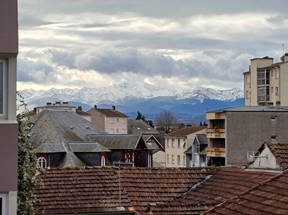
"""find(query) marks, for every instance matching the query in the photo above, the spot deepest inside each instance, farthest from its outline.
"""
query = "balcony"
(215, 133)
(215, 152)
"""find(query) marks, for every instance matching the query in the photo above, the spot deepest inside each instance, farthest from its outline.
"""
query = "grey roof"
(50, 148)
(140, 127)
(252, 109)
(154, 145)
(117, 141)
(88, 147)
(60, 126)
(53, 130)
(202, 139)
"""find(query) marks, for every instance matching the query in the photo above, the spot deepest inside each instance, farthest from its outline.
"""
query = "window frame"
(4, 114)
(40, 159)
(4, 198)
(102, 161)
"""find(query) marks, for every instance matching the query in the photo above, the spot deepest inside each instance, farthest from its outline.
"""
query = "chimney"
(80, 108)
(65, 103)
(48, 103)
(57, 103)
(95, 107)
(284, 58)
(114, 107)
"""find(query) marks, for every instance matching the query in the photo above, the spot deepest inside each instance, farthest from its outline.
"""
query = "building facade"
(177, 143)
(266, 82)
(8, 124)
(109, 121)
(236, 133)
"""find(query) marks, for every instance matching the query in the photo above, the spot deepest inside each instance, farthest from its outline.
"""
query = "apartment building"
(177, 143)
(8, 124)
(266, 82)
(109, 121)
(236, 133)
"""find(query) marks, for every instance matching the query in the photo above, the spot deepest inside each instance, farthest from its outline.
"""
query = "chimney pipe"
(80, 108)
(114, 107)
(95, 107)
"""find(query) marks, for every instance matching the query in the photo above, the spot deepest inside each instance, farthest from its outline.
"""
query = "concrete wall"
(9, 27)
(247, 131)
(159, 159)
(116, 125)
(98, 119)
(284, 84)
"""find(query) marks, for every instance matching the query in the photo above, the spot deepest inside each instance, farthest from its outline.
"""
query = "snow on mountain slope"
(115, 94)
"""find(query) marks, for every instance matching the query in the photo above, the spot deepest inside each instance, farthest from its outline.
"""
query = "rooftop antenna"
(283, 48)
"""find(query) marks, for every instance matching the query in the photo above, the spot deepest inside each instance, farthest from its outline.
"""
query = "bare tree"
(165, 120)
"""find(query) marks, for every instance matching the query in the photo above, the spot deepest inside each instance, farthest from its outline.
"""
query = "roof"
(140, 127)
(253, 109)
(185, 131)
(92, 190)
(224, 184)
(53, 130)
(86, 190)
(280, 151)
(154, 145)
(267, 198)
(202, 140)
(117, 141)
(109, 112)
(83, 113)
(88, 147)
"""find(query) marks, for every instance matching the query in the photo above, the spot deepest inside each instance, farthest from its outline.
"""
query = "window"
(263, 81)
(3, 204)
(277, 91)
(184, 160)
(167, 158)
(167, 143)
(2, 86)
(178, 143)
(184, 145)
(172, 159)
(178, 160)
(42, 162)
(172, 144)
(103, 160)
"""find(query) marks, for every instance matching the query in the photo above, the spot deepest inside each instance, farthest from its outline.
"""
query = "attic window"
(42, 162)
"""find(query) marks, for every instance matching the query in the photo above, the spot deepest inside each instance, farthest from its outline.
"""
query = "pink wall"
(8, 27)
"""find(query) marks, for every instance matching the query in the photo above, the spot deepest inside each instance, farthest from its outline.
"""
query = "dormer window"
(2, 87)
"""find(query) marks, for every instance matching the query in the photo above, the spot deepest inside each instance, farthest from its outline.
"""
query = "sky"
(168, 43)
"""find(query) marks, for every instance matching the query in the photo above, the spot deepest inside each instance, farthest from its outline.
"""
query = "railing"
(215, 152)
(214, 149)
(215, 130)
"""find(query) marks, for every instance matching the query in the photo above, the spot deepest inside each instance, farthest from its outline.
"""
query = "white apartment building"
(266, 82)
(177, 143)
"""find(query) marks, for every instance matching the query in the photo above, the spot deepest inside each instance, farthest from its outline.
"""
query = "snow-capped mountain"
(118, 93)
(187, 104)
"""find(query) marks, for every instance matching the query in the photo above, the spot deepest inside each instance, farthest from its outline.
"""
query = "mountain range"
(188, 105)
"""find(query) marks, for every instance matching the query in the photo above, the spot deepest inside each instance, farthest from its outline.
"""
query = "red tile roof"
(268, 198)
(109, 112)
(280, 151)
(185, 131)
(91, 190)
(225, 184)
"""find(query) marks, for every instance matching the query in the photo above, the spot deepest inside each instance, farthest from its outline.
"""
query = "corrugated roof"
(88, 147)
(117, 141)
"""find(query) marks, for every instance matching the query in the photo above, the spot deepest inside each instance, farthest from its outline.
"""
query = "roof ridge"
(232, 200)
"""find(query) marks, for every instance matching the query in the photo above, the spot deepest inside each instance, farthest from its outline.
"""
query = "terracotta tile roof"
(268, 198)
(91, 190)
(109, 112)
(185, 131)
(79, 191)
(226, 183)
(280, 151)
(83, 113)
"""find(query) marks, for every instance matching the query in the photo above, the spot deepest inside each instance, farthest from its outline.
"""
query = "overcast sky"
(173, 43)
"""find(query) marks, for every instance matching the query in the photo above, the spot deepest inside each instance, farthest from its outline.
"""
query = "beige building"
(266, 82)
(110, 121)
(177, 143)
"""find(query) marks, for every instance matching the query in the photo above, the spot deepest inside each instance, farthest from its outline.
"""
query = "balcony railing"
(215, 152)
(215, 130)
